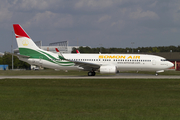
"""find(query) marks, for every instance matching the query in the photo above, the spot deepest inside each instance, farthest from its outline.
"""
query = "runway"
(117, 76)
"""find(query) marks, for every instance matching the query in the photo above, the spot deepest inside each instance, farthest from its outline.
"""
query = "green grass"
(89, 99)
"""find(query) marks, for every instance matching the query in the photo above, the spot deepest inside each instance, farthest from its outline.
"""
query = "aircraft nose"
(170, 64)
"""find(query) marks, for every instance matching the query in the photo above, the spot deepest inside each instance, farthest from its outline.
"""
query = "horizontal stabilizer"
(18, 55)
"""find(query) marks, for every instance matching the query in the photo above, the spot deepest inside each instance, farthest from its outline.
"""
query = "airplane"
(103, 63)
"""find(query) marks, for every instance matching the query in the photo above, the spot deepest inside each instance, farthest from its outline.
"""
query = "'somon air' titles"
(118, 57)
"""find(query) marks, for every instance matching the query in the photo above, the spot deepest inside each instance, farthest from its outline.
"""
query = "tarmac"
(117, 76)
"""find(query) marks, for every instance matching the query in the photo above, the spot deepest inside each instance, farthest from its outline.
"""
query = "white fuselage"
(137, 62)
(124, 61)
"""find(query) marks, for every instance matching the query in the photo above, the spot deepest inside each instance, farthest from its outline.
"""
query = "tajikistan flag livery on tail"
(25, 43)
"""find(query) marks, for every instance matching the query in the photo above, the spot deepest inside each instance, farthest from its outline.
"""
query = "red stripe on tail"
(19, 32)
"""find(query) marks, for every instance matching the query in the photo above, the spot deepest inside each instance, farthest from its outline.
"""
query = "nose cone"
(170, 64)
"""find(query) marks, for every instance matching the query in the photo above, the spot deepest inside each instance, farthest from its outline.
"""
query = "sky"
(95, 23)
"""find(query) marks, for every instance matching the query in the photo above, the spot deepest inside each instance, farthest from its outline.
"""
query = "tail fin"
(25, 43)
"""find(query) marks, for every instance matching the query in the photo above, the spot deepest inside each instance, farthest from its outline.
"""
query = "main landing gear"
(91, 73)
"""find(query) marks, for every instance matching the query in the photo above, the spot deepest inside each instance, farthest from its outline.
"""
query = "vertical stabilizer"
(25, 43)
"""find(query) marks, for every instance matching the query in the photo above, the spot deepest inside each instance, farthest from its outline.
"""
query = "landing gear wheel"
(91, 73)
(156, 74)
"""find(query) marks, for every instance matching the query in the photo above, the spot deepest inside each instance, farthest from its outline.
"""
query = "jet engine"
(108, 69)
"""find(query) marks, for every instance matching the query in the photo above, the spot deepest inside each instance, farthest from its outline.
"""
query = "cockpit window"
(163, 60)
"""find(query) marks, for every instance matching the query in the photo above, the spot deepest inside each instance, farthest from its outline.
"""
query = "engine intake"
(108, 69)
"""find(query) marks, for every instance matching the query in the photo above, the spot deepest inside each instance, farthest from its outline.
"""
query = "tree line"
(6, 59)
(128, 50)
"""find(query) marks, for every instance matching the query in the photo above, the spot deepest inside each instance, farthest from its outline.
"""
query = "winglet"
(60, 55)
(77, 51)
(57, 50)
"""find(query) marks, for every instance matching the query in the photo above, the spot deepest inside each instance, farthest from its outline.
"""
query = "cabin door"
(153, 61)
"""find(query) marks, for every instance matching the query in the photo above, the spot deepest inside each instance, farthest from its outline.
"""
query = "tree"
(124, 50)
(7, 59)
(155, 50)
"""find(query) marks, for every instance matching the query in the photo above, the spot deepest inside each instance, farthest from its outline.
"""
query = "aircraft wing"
(86, 65)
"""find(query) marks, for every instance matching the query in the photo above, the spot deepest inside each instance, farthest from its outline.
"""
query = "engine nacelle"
(108, 69)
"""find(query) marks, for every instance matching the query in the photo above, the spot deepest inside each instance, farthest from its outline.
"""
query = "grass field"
(89, 99)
